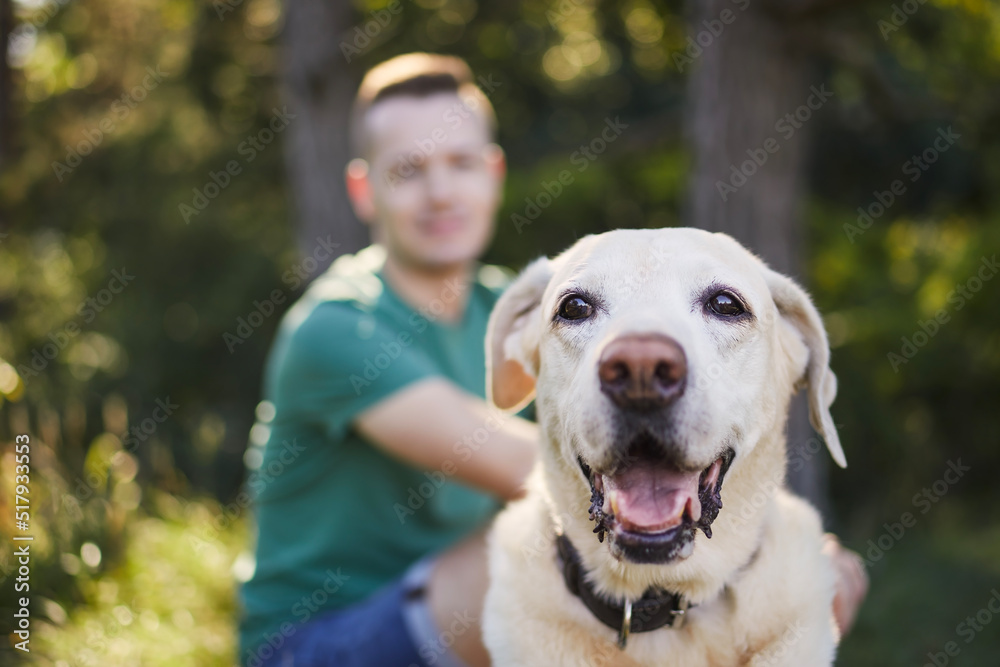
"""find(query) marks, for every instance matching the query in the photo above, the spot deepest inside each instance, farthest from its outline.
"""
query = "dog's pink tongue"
(652, 499)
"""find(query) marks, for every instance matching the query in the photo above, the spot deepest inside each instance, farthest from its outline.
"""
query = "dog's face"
(660, 359)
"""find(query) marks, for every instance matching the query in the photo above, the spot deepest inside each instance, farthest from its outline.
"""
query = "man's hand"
(434, 425)
(852, 582)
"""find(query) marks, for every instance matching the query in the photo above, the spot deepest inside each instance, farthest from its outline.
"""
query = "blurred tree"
(742, 84)
(6, 125)
(747, 73)
(320, 87)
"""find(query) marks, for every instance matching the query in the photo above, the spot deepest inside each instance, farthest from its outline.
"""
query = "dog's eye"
(725, 304)
(575, 307)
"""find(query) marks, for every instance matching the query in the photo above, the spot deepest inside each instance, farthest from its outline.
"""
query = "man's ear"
(496, 161)
(359, 189)
(797, 311)
(513, 336)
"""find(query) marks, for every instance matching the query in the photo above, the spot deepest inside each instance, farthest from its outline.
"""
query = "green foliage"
(924, 591)
(917, 353)
(165, 603)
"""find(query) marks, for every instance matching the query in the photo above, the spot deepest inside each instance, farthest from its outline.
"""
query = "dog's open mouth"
(650, 508)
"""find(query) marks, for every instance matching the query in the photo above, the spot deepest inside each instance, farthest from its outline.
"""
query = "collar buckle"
(655, 609)
(626, 628)
(680, 614)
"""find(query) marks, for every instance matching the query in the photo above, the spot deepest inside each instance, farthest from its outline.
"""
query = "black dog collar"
(655, 609)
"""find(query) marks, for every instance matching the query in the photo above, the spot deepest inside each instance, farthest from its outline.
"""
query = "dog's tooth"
(712, 478)
(687, 549)
(693, 509)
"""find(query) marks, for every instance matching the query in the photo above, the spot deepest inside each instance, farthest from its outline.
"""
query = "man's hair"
(415, 75)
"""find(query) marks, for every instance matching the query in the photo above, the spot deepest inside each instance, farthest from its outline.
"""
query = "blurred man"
(378, 375)
(390, 464)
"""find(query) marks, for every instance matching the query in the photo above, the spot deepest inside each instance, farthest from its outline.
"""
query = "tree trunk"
(6, 104)
(319, 88)
(743, 83)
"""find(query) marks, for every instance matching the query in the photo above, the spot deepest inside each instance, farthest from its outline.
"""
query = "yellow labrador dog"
(655, 530)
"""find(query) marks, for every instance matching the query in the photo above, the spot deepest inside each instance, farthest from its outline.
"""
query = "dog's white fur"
(762, 588)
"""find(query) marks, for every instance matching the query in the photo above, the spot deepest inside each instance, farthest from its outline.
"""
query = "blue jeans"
(392, 628)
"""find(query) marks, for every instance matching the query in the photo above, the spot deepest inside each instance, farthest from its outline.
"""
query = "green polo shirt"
(337, 517)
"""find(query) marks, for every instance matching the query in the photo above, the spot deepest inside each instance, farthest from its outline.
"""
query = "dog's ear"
(797, 310)
(512, 338)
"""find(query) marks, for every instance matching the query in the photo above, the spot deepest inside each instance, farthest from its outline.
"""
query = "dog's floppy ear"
(512, 338)
(797, 310)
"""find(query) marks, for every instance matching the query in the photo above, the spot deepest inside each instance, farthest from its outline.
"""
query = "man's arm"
(431, 422)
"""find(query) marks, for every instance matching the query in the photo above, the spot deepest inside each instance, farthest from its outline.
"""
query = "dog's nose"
(643, 371)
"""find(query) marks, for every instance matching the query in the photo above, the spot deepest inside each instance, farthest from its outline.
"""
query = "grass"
(921, 591)
(171, 599)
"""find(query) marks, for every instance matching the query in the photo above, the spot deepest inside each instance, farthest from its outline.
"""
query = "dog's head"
(660, 359)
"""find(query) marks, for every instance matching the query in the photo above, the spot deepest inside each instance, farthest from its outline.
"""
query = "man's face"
(435, 180)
